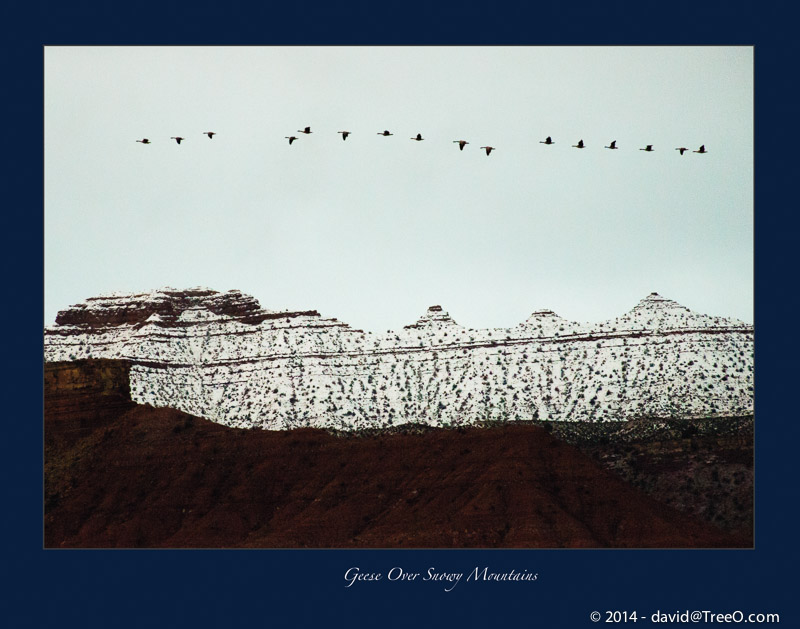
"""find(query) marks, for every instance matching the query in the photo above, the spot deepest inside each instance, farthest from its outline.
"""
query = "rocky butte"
(223, 357)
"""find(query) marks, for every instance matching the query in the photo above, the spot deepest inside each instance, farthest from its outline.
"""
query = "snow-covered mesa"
(223, 357)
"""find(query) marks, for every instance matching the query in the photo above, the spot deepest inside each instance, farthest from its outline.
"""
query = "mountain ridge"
(223, 357)
(123, 475)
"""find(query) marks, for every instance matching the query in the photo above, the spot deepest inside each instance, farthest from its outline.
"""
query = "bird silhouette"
(547, 140)
(344, 134)
(419, 137)
(144, 141)
(461, 144)
(291, 138)
(647, 148)
(307, 130)
(385, 133)
(579, 145)
(613, 145)
(682, 149)
(489, 149)
(210, 134)
(177, 138)
(702, 149)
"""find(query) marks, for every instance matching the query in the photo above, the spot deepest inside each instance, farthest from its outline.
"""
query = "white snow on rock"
(221, 356)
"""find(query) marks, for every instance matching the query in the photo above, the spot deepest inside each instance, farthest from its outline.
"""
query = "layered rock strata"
(223, 357)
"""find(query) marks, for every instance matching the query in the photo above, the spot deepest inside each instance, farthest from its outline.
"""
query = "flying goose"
(144, 141)
(682, 149)
(344, 134)
(647, 148)
(701, 150)
(460, 143)
(489, 149)
(547, 140)
(419, 137)
(307, 130)
(291, 138)
(579, 145)
(613, 145)
(210, 134)
(177, 138)
(385, 133)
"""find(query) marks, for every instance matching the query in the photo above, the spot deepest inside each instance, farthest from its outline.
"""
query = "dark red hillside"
(146, 477)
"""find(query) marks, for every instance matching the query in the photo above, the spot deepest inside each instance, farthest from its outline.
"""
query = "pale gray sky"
(375, 229)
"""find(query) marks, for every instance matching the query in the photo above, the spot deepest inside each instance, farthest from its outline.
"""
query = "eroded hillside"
(138, 476)
(221, 356)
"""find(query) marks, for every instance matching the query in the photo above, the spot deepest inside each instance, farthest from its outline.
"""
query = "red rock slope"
(145, 477)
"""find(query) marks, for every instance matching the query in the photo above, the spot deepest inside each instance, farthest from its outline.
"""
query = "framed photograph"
(423, 328)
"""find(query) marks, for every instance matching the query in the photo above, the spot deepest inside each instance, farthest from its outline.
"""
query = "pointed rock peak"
(435, 315)
(537, 316)
(659, 313)
(654, 301)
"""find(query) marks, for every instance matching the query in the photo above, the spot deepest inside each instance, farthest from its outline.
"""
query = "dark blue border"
(301, 588)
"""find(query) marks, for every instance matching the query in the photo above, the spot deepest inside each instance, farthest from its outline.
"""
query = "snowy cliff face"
(223, 357)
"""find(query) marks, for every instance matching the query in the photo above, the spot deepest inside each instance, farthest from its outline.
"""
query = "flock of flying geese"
(180, 139)
(461, 143)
